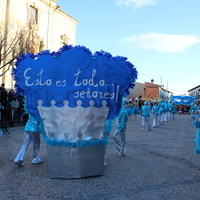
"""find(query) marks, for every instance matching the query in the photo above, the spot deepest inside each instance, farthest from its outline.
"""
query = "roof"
(194, 88)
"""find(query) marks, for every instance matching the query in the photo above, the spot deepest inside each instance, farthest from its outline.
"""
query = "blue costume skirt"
(197, 141)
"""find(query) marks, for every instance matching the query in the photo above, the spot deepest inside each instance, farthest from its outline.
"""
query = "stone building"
(137, 91)
(44, 25)
(195, 92)
(149, 91)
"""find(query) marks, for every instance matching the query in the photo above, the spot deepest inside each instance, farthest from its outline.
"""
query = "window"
(33, 15)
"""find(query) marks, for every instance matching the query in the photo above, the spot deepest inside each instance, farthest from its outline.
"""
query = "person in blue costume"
(197, 140)
(129, 108)
(154, 112)
(166, 115)
(174, 110)
(170, 110)
(32, 132)
(136, 108)
(161, 112)
(119, 135)
(193, 111)
(145, 113)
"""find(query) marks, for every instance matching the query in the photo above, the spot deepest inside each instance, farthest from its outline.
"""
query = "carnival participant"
(197, 140)
(166, 112)
(129, 108)
(170, 110)
(136, 108)
(154, 112)
(174, 110)
(145, 113)
(161, 112)
(193, 110)
(32, 132)
(119, 135)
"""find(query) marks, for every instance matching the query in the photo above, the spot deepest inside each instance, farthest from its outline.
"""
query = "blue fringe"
(88, 143)
(45, 52)
(16, 85)
(24, 56)
(14, 71)
(102, 53)
(109, 125)
(84, 49)
(119, 58)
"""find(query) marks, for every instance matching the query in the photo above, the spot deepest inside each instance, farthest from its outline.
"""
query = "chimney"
(152, 81)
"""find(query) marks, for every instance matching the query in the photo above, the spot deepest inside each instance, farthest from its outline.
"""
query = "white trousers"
(120, 141)
(145, 124)
(28, 138)
(155, 121)
(161, 117)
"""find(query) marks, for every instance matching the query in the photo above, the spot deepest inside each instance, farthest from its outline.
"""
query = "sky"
(161, 38)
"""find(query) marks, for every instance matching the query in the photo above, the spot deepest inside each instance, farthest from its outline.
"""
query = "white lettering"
(77, 75)
(37, 81)
(86, 82)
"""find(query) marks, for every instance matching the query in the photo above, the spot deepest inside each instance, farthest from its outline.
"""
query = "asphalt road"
(160, 164)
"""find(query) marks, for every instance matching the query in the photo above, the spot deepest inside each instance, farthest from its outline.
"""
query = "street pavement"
(159, 164)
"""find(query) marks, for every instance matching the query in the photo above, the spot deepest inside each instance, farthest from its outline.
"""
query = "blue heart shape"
(74, 74)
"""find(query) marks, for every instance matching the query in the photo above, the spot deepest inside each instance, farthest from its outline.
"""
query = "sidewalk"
(160, 164)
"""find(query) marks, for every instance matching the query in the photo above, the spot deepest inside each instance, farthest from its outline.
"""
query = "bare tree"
(15, 41)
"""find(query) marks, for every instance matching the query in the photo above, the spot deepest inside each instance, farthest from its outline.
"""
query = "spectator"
(2, 88)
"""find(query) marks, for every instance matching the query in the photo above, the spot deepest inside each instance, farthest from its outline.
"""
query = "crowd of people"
(160, 111)
(12, 106)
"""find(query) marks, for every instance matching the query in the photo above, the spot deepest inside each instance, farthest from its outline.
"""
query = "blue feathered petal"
(45, 52)
(84, 49)
(119, 58)
(23, 57)
(133, 69)
(14, 71)
(102, 53)
(63, 49)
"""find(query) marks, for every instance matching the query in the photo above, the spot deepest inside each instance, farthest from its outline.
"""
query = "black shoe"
(20, 163)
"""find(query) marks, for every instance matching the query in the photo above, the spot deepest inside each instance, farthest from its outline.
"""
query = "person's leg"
(162, 118)
(123, 144)
(159, 118)
(116, 140)
(36, 147)
(157, 121)
(148, 128)
(143, 123)
(20, 156)
(154, 121)
(120, 142)
(104, 135)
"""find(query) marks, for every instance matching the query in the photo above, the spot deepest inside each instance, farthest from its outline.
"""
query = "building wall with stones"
(50, 27)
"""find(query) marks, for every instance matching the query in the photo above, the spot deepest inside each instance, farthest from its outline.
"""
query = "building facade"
(149, 91)
(195, 92)
(48, 27)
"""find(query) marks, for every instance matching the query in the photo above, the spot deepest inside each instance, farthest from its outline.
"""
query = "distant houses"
(195, 92)
(149, 91)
